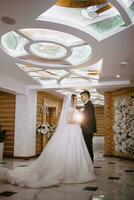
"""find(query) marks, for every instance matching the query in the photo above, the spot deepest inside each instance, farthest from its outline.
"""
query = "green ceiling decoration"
(9, 41)
(13, 43)
(107, 25)
(132, 8)
(48, 50)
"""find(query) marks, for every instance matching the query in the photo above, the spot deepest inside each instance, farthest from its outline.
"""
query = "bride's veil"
(65, 109)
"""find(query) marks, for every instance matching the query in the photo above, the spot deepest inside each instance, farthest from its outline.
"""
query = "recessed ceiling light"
(124, 63)
(117, 76)
(8, 20)
(89, 12)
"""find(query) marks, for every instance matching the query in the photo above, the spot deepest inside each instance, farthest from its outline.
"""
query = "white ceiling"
(113, 48)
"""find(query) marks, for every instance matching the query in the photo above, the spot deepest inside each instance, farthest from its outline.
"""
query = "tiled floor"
(113, 183)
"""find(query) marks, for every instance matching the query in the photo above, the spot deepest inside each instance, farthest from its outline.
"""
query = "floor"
(115, 181)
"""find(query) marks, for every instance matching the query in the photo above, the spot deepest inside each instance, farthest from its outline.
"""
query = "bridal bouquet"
(45, 128)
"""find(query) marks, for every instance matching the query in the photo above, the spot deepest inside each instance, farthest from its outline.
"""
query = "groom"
(89, 122)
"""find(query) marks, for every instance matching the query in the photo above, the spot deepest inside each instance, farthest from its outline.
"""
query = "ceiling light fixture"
(124, 63)
(117, 76)
(8, 20)
(89, 12)
(92, 12)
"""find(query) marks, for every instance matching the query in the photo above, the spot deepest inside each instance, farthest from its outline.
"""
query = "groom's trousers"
(89, 143)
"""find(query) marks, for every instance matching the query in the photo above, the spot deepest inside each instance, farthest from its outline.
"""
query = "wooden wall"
(99, 113)
(78, 3)
(7, 120)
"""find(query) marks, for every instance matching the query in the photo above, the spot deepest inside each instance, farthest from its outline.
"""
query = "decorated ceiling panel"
(49, 59)
(100, 18)
(66, 62)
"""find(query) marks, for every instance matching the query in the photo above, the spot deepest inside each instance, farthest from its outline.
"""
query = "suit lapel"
(87, 104)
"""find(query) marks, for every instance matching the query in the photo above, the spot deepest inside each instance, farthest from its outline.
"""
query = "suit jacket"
(89, 122)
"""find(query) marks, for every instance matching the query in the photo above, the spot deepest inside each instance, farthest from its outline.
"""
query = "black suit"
(89, 126)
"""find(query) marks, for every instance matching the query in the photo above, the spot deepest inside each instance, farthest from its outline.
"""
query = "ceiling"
(79, 3)
(67, 45)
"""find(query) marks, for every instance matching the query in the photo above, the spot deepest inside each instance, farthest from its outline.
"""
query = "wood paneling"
(7, 120)
(79, 4)
(99, 113)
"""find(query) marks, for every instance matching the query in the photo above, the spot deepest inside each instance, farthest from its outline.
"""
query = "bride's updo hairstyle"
(72, 98)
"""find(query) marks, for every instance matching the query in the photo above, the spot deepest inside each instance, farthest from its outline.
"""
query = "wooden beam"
(79, 3)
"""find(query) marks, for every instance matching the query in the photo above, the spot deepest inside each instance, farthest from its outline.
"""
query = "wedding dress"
(65, 159)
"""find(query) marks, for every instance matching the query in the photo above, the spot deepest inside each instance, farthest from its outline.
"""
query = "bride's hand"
(78, 117)
(74, 117)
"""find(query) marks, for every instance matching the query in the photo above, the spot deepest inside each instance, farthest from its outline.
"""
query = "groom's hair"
(86, 92)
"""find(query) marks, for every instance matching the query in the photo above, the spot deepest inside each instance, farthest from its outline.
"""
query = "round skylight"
(60, 50)
(48, 50)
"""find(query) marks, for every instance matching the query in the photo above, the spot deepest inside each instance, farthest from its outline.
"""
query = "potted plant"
(2, 140)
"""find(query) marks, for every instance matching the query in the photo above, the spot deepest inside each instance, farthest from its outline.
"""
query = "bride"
(65, 159)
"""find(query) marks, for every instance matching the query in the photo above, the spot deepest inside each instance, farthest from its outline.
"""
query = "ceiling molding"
(10, 85)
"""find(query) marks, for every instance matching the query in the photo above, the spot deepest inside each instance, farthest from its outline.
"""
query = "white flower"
(124, 124)
(45, 128)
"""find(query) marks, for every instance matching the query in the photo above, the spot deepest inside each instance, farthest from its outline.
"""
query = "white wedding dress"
(65, 159)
